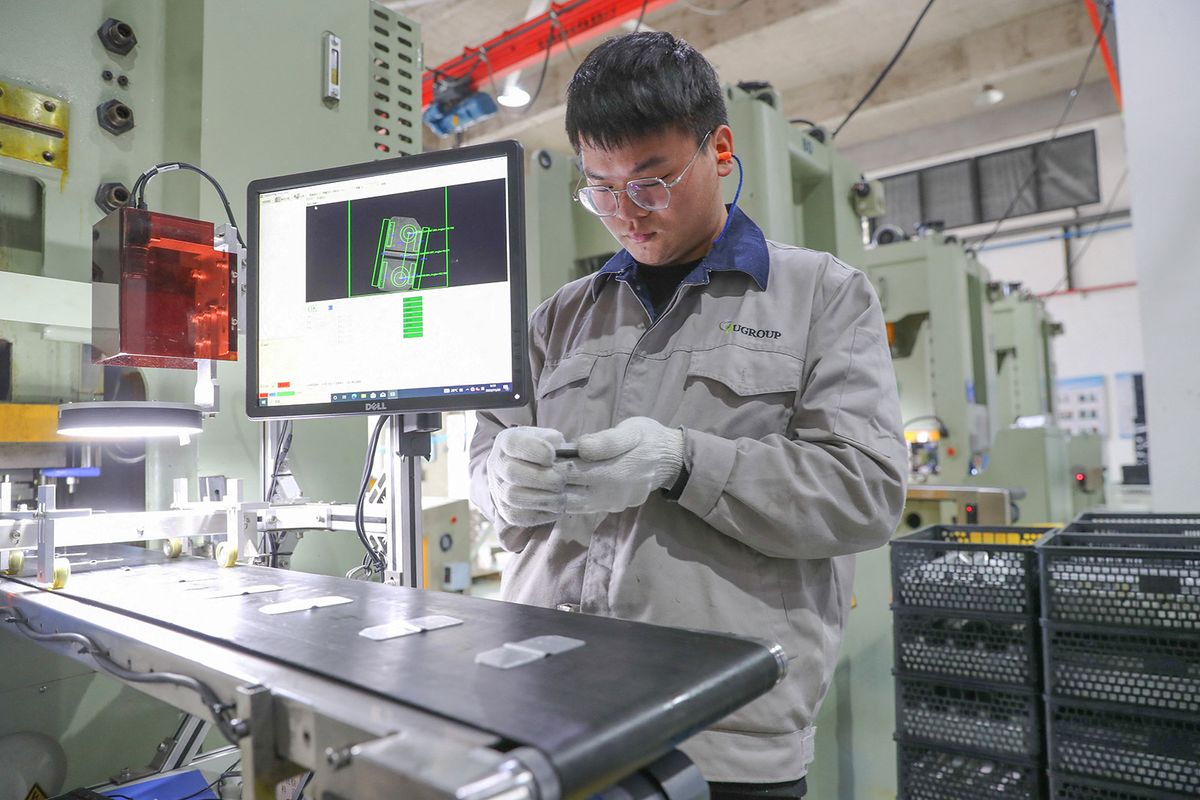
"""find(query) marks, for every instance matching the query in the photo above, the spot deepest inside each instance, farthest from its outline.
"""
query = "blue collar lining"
(742, 248)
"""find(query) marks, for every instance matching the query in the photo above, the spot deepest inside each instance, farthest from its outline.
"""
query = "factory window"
(1044, 176)
(948, 194)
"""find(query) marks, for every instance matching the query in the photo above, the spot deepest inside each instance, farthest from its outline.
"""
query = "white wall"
(1102, 328)
(1159, 62)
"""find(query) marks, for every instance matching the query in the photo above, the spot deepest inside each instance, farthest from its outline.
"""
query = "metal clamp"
(261, 767)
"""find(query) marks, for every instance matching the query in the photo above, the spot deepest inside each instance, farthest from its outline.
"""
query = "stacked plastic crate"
(1121, 607)
(969, 713)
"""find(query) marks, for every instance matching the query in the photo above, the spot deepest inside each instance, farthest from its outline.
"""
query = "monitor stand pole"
(409, 438)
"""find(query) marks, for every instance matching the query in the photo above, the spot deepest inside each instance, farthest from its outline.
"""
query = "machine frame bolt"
(117, 36)
(338, 758)
(112, 195)
(115, 117)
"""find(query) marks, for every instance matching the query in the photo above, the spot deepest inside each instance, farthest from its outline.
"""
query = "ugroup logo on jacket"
(729, 326)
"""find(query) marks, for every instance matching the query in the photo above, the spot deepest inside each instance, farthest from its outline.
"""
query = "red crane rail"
(523, 45)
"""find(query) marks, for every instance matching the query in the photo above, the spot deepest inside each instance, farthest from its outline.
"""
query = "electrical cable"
(1108, 209)
(378, 562)
(802, 121)
(492, 80)
(352, 573)
(231, 729)
(712, 12)
(641, 16)
(199, 792)
(732, 206)
(886, 70)
(562, 34)
(542, 76)
(942, 429)
(481, 57)
(227, 773)
(139, 188)
(1041, 150)
(112, 452)
(281, 450)
(463, 63)
(1087, 240)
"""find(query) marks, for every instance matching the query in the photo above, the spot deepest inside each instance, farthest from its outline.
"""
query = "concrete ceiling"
(820, 54)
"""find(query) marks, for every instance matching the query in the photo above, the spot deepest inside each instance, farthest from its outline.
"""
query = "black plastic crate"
(1074, 787)
(968, 647)
(934, 773)
(1155, 750)
(1135, 528)
(1002, 720)
(1143, 669)
(975, 568)
(1182, 522)
(1122, 581)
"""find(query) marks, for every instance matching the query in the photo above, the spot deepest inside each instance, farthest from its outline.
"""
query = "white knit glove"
(620, 467)
(526, 485)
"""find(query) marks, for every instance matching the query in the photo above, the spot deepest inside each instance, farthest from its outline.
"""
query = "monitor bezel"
(521, 392)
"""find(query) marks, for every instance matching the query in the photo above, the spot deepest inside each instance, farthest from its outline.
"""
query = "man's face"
(683, 231)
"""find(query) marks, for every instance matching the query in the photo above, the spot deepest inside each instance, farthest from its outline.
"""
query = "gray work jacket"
(774, 361)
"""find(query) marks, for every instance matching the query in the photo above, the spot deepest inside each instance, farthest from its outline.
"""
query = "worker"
(732, 401)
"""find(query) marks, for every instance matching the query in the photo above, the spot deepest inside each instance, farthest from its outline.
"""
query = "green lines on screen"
(414, 317)
(406, 253)
(428, 280)
(396, 256)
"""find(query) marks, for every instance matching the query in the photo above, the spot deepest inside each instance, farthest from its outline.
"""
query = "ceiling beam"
(932, 84)
(1050, 44)
(702, 32)
(524, 44)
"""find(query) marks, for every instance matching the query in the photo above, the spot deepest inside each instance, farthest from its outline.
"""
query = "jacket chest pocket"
(566, 399)
(734, 392)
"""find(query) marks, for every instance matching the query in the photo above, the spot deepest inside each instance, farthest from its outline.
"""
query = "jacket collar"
(743, 248)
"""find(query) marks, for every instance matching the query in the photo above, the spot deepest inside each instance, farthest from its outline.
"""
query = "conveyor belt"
(632, 692)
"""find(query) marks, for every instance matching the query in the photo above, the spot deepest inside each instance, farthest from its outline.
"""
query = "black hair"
(641, 84)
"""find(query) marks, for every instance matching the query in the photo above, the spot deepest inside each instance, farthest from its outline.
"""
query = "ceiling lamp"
(513, 95)
(516, 97)
(128, 419)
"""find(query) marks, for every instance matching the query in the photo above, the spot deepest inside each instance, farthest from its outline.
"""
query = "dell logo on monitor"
(376, 406)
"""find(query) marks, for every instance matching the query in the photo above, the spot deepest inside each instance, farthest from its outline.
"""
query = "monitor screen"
(397, 285)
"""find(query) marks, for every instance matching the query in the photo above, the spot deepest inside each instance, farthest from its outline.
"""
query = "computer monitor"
(393, 286)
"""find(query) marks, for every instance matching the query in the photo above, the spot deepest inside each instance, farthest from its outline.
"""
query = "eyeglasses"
(650, 194)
